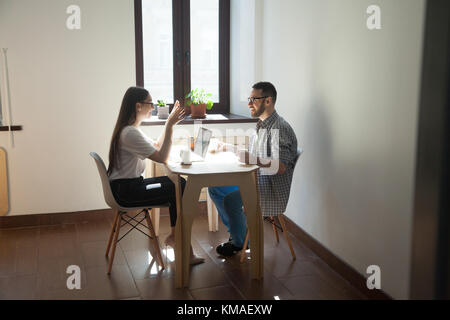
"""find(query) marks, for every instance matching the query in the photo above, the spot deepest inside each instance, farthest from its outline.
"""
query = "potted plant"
(199, 101)
(163, 110)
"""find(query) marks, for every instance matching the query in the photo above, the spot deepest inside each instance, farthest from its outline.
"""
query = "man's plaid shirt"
(274, 139)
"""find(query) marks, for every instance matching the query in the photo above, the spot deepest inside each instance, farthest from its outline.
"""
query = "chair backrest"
(107, 192)
(299, 153)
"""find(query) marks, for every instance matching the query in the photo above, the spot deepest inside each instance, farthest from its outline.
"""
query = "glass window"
(157, 48)
(185, 45)
(205, 46)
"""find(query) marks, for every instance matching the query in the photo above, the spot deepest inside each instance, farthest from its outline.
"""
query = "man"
(273, 148)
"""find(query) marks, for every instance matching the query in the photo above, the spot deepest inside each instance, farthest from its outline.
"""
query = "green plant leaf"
(199, 96)
(209, 105)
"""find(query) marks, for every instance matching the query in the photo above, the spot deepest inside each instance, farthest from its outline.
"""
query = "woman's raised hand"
(177, 114)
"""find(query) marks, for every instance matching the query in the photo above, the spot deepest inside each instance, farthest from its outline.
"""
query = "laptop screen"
(202, 142)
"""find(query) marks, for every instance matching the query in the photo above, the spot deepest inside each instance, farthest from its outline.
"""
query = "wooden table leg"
(155, 219)
(209, 209)
(250, 198)
(178, 232)
(187, 208)
(190, 209)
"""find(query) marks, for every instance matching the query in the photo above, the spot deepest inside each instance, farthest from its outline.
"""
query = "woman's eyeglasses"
(150, 103)
(253, 99)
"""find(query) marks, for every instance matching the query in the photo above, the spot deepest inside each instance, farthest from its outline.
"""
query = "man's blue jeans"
(229, 205)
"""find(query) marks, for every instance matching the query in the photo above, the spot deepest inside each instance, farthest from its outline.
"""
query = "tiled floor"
(33, 263)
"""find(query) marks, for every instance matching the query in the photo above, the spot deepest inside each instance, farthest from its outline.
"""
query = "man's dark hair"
(267, 88)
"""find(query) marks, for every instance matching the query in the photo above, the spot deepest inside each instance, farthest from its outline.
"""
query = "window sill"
(11, 128)
(210, 119)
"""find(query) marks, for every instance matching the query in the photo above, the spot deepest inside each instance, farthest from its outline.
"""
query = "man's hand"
(217, 147)
(176, 115)
(244, 156)
(223, 147)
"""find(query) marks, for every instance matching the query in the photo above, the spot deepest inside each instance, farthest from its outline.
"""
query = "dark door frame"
(430, 278)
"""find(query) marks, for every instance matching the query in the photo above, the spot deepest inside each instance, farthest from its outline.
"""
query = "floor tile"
(217, 293)
(93, 254)
(206, 275)
(314, 287)
(267, 288)
(161, 288)
(18, 288)
(119, 285)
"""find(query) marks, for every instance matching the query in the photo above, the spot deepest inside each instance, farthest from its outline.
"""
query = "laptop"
(200, 147)
(201, 144)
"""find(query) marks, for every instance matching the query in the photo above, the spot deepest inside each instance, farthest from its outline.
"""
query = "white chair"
(274, 226)
(121, 213)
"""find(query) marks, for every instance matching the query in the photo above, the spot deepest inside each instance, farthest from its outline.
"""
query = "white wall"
(66, 89)
(351, 96)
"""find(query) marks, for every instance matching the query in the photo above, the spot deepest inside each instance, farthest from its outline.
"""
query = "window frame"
(181, 52)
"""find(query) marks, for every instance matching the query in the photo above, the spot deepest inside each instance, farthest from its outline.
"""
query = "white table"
(221, 169)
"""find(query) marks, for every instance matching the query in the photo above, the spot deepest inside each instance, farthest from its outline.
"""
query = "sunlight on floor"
(154, 267)
(170, 254)
(150, 257)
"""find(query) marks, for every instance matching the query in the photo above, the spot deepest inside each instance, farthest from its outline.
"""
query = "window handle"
(187, 56)
(177, 53)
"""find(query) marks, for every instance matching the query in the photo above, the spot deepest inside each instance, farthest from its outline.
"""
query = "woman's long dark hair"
(127, 116)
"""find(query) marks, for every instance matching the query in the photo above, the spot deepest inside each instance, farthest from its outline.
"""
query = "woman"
(128, 151)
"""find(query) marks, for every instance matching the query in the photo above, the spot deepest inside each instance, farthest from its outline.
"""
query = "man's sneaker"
(227, 249)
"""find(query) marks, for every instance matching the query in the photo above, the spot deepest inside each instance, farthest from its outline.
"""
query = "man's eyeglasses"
(150, 103)
(253, 99)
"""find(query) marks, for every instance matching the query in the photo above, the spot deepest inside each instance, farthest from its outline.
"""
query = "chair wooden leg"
(113, 230)
(275, 228)
(213, 215)
(283, 225)
(154, 240)
(244, 247)
(114, 244)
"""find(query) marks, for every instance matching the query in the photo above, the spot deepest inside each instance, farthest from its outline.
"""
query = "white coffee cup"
(241, 155)
(185, 155)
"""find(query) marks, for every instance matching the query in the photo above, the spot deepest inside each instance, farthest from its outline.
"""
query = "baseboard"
(45, 219)
(342, 268)
(34, 220)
